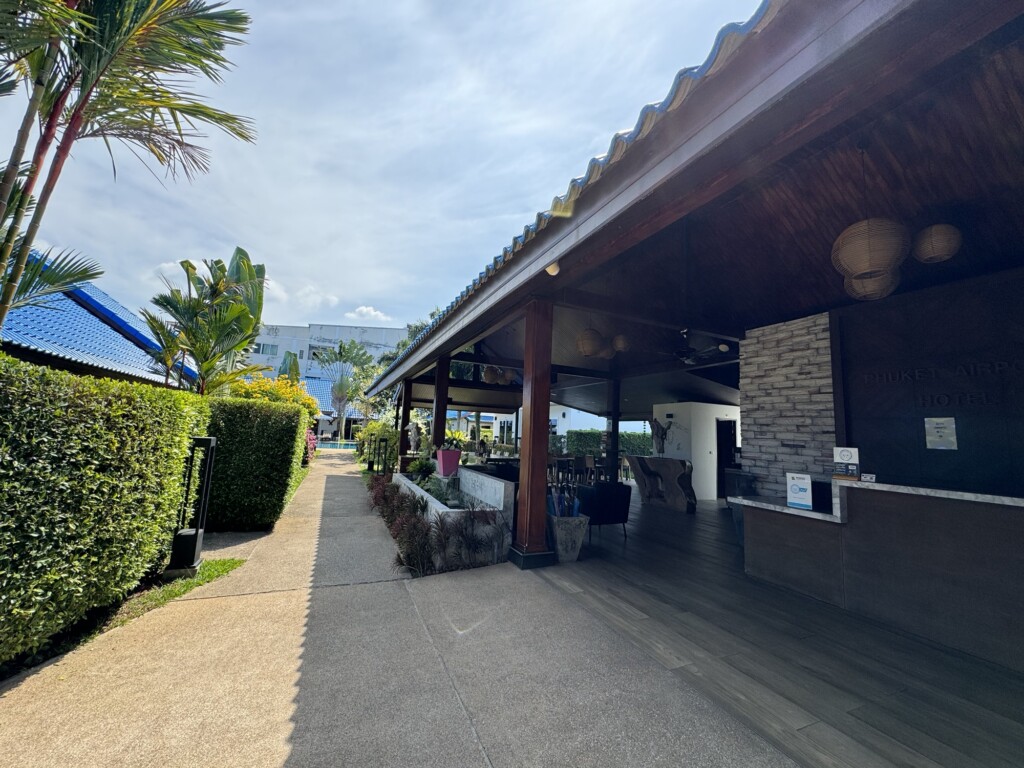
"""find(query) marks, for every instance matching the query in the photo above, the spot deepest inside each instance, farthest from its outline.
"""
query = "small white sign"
(846, 455)
(940, 434)
(798, 491)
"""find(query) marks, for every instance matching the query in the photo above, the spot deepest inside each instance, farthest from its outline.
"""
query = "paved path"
(316, 653)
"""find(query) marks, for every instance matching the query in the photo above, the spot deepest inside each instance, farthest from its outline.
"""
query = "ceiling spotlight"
(723, 347)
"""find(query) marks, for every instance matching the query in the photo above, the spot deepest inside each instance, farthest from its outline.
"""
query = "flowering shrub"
(310, 450)
(281, 390)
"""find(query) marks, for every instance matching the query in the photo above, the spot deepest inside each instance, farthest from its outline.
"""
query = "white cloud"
(312, 297)
(368, 315)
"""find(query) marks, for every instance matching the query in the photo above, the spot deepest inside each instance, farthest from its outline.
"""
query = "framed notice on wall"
(940, 434)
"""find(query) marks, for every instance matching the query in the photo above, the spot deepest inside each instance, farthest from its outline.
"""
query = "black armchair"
(605, 504)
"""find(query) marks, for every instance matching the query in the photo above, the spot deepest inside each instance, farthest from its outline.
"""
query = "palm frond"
(46, 276)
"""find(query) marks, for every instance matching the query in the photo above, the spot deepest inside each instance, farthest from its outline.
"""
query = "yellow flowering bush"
(281, 390)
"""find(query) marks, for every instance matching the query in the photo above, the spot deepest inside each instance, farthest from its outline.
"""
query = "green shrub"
(583, 442)
(635, 444)
(368, 437)
(91, 485)
(259, 454)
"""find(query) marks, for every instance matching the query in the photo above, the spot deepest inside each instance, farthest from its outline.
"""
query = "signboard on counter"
(798, 491)
(846, 463)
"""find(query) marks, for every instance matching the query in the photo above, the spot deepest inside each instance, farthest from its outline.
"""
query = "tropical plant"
(168, 357)
(217, 319)
(116, 70)
(454, 440)
(343, 366)
(45, 276)
(290, 367)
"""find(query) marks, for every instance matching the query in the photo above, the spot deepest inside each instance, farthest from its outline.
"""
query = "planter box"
(448, 462)
(568, 533)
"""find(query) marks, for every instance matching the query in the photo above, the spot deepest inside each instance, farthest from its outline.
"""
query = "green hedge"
(635, 444)
(259, 455)
(583, 442)
(90, 487)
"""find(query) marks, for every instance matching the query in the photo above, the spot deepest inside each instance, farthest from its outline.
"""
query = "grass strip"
(145, 598)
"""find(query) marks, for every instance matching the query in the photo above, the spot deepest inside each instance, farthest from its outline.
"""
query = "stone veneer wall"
(788, 419)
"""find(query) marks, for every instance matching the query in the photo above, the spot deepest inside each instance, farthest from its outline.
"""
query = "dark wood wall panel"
(951, 351)
(947, 570)
(795, 552)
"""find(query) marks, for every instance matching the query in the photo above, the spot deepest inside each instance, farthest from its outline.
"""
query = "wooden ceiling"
(947, 149)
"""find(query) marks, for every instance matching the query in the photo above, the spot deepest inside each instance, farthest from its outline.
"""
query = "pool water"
(346, 445)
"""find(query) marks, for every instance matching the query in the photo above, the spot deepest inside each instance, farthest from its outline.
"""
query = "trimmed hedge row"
(259, 454)
(582, 442)
(90, 488)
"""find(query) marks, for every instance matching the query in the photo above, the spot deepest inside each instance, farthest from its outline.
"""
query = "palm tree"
(216, 319)
(119, 76)
(342, 366)
(46, 275)
(168, 357)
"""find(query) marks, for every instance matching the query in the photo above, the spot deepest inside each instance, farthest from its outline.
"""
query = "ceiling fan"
(700, 349)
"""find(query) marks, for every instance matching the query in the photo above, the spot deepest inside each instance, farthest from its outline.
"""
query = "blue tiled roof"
(728, 40)
(70, 331)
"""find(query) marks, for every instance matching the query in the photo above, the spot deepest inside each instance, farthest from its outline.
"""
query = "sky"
(401, 145)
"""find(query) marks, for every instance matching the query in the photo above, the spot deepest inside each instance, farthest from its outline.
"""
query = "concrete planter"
(568, 533)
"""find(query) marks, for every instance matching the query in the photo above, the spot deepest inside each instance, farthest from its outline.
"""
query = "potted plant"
(566, 526)
(450, 452)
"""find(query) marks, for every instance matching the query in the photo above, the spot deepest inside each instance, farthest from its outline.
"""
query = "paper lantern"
(490, 375)
(607, 352)
(590, 342)
(939, 242)
(509, 375)
(872, 288)
(620, 343)
(870, 248)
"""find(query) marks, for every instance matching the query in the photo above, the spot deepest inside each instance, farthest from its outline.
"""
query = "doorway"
(726, 450)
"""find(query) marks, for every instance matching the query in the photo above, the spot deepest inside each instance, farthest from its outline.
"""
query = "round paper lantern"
(509, 375)
(590, 342)
(870, 248)
(872, 288)
(490, 375)
(620, 343)
(607, 352)
(939, 242)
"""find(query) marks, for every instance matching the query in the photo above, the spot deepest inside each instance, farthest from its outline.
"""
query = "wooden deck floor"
(826, 687)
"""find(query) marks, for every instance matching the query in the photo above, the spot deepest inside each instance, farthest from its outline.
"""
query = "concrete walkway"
(316, 653)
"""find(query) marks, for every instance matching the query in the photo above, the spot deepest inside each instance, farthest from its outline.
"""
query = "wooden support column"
(530, 549)
(612, 459)
(440, 400)
(406, 410)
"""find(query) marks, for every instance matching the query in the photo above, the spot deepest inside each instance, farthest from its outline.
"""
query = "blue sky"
(401, 146)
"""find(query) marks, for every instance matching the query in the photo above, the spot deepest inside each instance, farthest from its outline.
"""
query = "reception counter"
(947, 565)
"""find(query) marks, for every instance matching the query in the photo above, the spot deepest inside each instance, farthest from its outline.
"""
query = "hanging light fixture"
(490, 375)
(936, 243)
(552, 268)
(872, 288)
(620, 343)
(590, 342)
(870, 248)
(868, 253)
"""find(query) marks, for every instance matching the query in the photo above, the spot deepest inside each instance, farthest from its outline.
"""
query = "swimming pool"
(345, 445)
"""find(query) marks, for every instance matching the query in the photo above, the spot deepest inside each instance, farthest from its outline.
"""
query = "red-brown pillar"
(440, 400)
(406, 409)
(530, 549)
(611, 466)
